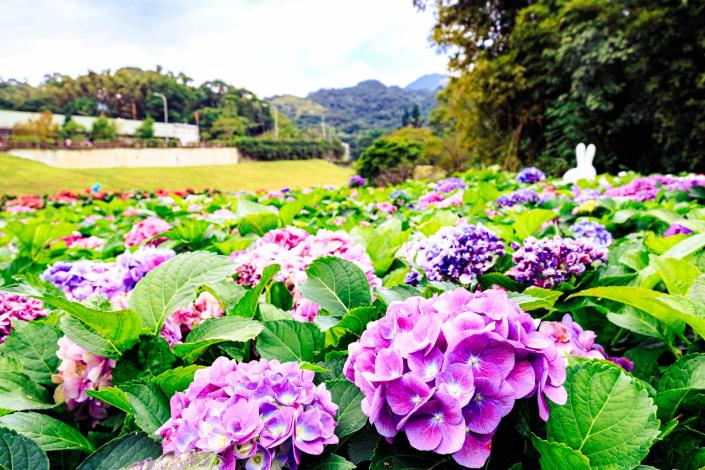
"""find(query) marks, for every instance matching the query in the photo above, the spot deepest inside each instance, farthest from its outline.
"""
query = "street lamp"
(166, 113)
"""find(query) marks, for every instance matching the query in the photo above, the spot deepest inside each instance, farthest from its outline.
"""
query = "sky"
(268, 46)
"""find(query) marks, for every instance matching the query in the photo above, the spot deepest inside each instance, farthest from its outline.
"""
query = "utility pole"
(323, 126)
(166, 113)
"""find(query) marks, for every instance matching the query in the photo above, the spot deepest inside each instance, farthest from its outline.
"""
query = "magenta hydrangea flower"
(446, 370)
(676, 229)
(459, 253)
(357, 181)
(179, 323)
(551, 261)
(16, 307)
(570, 338)
(145, 230)
(294, 250)
(646, 188)
(256, 413)
(79, 241)
(79, 371)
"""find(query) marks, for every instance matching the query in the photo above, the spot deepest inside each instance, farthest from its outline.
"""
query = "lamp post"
(166, 113)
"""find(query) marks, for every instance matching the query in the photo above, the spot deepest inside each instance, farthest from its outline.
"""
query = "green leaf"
(214, 331)
(290, 210)
(397, 294)
(121, 452)
(19, 453)
(558, 456)
(684, 378)
(348, 398)
(534, 298)
(649, 276)
(278, 295)
(334, 462)
(34, 345)
(677, 274)
(150, 406)
(336, 285)
(228, 292)
(18, 393)
(609, 416)
(118, 331)
(258, 223)
(172, 285)
(247, 306)
(112, 396)
(176, 380)
(528, 223)
(48, 433)
(656, 304)
(289, 340)
(86, 338)
(697, 290)
(498, 279)
(356, 320)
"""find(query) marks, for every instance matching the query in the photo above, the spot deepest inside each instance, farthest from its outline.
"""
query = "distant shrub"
(41, 129)
(146, 129)
(270, 150)
(104, 129)
(72, 130)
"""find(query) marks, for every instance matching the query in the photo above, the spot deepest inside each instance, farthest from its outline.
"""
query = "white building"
(185, 133)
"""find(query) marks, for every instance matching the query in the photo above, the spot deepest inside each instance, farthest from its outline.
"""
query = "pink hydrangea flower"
(257, 413)
(179, 323)
(17, 307)
(145, 230)
(446, 370)
(79, 371)
(570, 338)
(79, 241)
(294, 250)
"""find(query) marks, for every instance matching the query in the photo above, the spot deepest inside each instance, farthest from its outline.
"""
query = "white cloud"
(269, 46)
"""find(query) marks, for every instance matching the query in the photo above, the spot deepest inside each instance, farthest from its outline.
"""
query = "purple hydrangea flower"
(459, 253)
(552, 261)
(592, 231)
(644, 189)
(257, 412)
(676, 229)
(449, 185)
(520, 196)
(136, 265)
(357, 181)
(570, 338)
(446, 370)
(531, 175)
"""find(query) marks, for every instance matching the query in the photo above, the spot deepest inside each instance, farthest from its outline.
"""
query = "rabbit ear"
(590, 154)
(580, 153)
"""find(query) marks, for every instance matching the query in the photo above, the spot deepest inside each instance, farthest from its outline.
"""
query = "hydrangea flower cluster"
(263, 413)
(84, 278)
(436, 199)
(79, 371)
(644, 189)
(459, 253)
(676, 229)
(449, 185)
(294, 250)
(17, 307)
(551, 261)
(357, 181)
(570, 338)
(446, 370)
(531, 175)
(399, 197)
(592, 231)
(79, 241)
(179, 323)
(520, 196)
(146, 229)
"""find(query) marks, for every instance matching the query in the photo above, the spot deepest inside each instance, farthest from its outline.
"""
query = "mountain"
(356, 112)
(430, 82)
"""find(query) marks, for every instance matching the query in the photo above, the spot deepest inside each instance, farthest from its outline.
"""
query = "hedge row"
(268, 150)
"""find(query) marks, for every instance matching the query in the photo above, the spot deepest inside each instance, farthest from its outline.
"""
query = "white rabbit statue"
(585, 170)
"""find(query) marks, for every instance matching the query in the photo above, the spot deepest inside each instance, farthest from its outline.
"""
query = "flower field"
(490, 320)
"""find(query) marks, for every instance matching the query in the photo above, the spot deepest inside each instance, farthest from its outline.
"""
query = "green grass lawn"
(20, 176)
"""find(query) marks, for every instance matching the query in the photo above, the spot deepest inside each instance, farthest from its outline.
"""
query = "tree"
(146, 129)
(392, 158)
(415, 116)
(103, 129)
(42, 128)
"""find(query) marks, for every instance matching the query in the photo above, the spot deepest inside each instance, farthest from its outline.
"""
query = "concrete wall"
(121, 157)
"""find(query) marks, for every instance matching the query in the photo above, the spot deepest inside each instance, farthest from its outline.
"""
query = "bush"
(72, 130)
(146, 129)
(269, 150)
(387, 153)
(104, 129)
